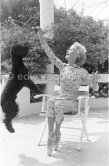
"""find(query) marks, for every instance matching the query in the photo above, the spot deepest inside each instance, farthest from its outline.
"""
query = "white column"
(46, 20)
(46, 13)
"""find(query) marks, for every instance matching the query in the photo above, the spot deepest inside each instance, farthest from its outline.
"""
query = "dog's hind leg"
(10, 110)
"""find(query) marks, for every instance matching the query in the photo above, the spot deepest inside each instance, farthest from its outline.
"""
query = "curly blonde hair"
(81, 53)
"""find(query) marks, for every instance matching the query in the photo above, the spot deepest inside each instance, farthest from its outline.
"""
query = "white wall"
(27, 108)
(98, 103)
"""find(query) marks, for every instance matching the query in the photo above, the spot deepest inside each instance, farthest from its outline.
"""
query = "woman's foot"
(50, 144)
(57, 141)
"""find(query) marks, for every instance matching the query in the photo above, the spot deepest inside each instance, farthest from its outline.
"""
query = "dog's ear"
(13, 49)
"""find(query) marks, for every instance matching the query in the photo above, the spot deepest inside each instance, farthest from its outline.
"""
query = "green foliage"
(12, 34)
(17, 18)
(102, 92)
(71, 27)
(20, 10)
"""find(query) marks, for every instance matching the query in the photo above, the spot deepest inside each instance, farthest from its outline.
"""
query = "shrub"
(12, 34)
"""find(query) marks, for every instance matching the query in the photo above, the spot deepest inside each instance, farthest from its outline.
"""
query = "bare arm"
(59, 64)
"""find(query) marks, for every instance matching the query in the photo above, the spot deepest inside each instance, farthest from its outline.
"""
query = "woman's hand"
(95, 77)
(35, 29)
(95, 81)
(96, 87)
(39, 32)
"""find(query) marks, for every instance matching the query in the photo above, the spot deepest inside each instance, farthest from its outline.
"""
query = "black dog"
(16, 81)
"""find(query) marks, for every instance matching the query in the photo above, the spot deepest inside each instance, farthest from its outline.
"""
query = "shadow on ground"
(92, 154)
(98, 113)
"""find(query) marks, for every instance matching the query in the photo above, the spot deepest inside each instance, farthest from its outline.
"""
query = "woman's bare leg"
(57, 135)
(50, 142)
(57, 128)
(50, 125)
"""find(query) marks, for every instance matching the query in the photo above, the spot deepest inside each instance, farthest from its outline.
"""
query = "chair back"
(83, 97)
(83, 90)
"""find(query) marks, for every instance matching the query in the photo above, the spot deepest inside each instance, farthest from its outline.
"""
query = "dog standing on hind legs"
(15, 83)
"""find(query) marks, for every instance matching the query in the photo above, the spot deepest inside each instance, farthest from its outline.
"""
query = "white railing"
(40, 79)
(102, 78)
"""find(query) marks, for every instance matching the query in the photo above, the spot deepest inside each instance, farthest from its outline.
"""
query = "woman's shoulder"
(83, 71)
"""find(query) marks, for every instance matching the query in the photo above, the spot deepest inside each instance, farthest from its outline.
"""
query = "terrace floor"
(20, 148)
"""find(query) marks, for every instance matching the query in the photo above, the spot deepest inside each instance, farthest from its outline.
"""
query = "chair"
(82, 114)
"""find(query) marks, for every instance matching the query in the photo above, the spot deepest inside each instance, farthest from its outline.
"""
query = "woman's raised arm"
(59, 64)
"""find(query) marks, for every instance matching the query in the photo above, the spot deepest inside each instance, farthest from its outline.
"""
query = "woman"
(72, 76)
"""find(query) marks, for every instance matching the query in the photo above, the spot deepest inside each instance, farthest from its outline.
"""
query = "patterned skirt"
(56, 108)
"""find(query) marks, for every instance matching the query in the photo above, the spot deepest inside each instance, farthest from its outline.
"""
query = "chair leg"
(84, 119)
(84, 130)
(42, 133)
(86, 115)
(81, 138)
